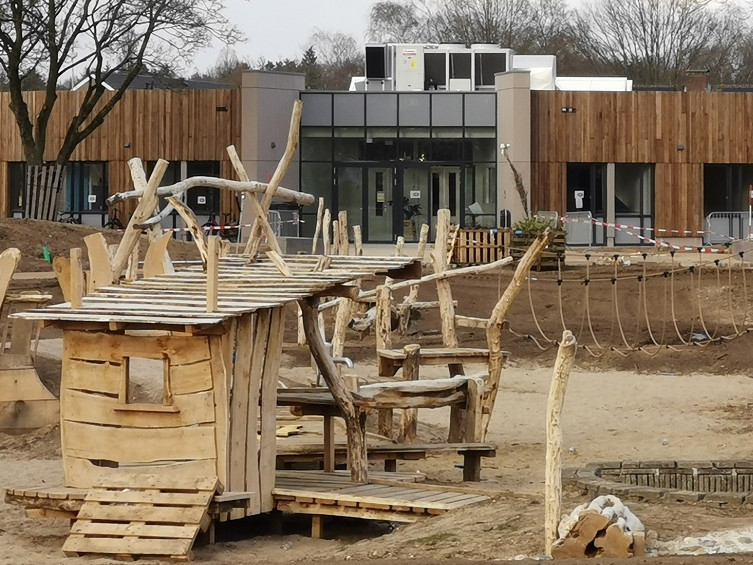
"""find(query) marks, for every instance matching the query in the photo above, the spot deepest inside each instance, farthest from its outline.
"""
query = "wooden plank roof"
(180, 298)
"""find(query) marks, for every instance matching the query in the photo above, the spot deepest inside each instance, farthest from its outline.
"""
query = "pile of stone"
(603, 528)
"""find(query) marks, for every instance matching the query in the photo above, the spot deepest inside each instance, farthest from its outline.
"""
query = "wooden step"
(130, 515)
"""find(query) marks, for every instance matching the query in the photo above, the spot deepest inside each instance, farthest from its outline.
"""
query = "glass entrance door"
(445, 193)
(586, 192)
(380, 204)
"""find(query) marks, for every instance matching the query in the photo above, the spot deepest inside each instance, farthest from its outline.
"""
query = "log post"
(343, 315)
(409, 420)
(497, 317)
(354, 424)
(553, 488)
(318, 229)
(342, 236)
(358, 241)
(326, 227)
(77, 278)
(384, 317)
(335, 237)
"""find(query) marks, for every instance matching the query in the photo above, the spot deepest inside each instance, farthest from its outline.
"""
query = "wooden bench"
(390, 360)
(391, 454)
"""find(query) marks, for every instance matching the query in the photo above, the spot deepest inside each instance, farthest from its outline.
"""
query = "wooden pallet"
(132, 515)
(478, 247)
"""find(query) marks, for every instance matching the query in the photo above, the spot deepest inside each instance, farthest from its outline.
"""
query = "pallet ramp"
(142, 515)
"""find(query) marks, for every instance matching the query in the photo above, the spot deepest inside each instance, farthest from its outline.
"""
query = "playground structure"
(143, 478)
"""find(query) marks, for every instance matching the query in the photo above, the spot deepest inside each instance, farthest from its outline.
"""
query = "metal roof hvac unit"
(409, 67)
(487, 62)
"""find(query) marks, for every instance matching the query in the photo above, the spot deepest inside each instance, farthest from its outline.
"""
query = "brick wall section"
(715, 482)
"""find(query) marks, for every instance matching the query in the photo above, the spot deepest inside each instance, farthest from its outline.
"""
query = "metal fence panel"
(579, 228)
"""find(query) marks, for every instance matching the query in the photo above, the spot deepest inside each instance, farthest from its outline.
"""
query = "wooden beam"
(254, 240)
(280, 263)
(260, 216)
(553, 476)
(354, 424)
(497, 317)
(144, 210)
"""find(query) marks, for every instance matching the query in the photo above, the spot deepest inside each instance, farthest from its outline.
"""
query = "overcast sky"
(277, 29)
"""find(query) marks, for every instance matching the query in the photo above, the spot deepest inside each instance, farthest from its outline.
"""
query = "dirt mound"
(43, 443)
(31, 236)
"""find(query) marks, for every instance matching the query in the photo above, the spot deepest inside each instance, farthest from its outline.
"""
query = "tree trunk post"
(497, 317)
(553, 487)
(409, 420)
(384, 317)
(354, 424)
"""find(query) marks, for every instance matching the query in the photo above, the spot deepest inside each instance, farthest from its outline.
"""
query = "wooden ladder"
(131, 515)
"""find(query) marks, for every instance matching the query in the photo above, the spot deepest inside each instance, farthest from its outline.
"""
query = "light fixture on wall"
(273, 145)
(568, 110)
(127, 144)
(680, 147)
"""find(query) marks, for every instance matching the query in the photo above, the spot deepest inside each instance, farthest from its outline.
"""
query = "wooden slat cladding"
(176, 125)
(640, 127)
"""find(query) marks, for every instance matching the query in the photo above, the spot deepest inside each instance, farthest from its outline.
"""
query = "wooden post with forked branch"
(254, 240)
(497, 317)
(260, 215)
(354, 423)
(144, 210)
(553, 478)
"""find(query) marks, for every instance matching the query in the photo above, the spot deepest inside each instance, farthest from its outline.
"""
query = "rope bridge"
(640, 330)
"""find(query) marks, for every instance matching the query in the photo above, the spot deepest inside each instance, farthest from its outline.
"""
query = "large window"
(407, 155)
(85, 187)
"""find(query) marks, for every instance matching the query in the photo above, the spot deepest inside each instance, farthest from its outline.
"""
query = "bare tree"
(339, 57)
(657, 41)
(391, 21)
(96, 38)
(503, 22)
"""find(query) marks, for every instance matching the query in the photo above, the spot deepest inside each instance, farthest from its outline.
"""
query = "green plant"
(532, 225)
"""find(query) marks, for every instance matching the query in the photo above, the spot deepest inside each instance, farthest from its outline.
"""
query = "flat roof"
(180, 298)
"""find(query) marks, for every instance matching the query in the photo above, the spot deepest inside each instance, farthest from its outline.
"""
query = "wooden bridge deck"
(394, 497)
(397, 499)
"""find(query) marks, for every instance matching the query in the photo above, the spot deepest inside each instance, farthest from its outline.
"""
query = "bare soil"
(687, 403)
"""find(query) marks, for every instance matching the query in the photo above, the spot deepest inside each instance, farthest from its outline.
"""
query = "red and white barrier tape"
(655, 242)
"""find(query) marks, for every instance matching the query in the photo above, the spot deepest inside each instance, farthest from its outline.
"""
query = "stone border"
(720, 483)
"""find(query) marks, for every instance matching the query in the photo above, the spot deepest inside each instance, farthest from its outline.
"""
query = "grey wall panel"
(381, 110)
(447, 110)
(348, 109)
(317, 109)
(479, 109)
(414, 110)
